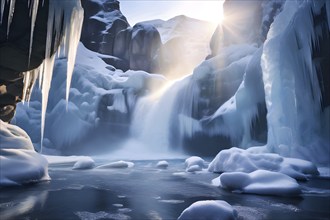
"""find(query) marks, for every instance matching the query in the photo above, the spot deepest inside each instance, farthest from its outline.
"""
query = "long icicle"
(34, 10)
(2, 8)
(10, 15)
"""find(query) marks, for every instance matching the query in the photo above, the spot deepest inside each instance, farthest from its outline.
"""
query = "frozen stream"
(146, 192)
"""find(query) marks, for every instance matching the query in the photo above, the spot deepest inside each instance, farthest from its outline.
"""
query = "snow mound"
(194, 164)
(259, 182)
(117, 164)
(211, 210)
(20, 164)
(194, 168)
(84, 164)
(239, 160)
(163, 164)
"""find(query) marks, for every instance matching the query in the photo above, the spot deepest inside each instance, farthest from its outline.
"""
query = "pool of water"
(145, 192)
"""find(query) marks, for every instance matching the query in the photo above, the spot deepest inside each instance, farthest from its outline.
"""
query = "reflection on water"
(145, 192)
(21, 204)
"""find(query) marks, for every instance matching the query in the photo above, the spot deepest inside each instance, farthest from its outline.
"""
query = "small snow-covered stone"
(162, 164)
(193, 168)
(194, 160)
(210, 210)
(84, 163)
(117, 164)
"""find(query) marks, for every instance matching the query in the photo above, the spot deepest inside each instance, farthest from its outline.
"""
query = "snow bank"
(163, 164)
(209, 209)
(19, 163)
(117, 164)
(239, 160)
(259, 182)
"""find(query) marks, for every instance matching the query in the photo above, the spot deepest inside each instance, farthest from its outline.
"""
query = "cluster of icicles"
(65, 20)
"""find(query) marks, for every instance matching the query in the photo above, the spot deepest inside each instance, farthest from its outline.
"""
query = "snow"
(79, 117)
(53, 160)
(193, 168)
(163, 164)
(194, 163)
(240, 160)
(117, 164)
(260, 182)
(210, 210)
(83, 164)
(19, 163)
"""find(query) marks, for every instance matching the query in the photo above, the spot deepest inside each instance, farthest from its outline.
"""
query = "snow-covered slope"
(101, 102)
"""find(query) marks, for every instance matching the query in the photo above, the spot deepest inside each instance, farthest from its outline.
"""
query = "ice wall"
(297, 125)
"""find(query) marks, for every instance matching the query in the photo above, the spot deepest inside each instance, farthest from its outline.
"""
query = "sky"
(142, 10)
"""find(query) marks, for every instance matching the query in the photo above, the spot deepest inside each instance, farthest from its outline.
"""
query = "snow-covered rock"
(194, 164)
(163, 164)
(84, 163)
(210, 210)
(117, 164)
(194, 168)
(259, 182)
(240, 160)
(19, 163)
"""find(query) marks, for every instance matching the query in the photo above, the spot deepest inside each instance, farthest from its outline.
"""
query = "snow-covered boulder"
(84, 163)
(194, 164)
(259, 182)
(163, 164)
(210, 210)
(240, 160)
(117, 164)
(19, 163)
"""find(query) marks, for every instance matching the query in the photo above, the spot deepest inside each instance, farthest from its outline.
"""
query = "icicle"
(30, 78)
(73, 38)
(11, 14)
(2, 8)
(34, 10)
(70, 15)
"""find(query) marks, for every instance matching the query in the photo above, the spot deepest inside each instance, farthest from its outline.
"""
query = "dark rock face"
(14, 52)
(106, 30)
(102, 21)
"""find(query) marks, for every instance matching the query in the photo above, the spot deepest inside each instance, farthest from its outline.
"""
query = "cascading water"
(153, 118)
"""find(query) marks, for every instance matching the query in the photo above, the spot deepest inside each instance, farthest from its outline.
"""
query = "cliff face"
(106, 30)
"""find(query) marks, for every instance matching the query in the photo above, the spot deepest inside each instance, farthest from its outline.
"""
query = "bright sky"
(141, 10)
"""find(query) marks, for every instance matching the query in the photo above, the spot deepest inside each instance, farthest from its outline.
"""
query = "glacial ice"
(292, 90)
